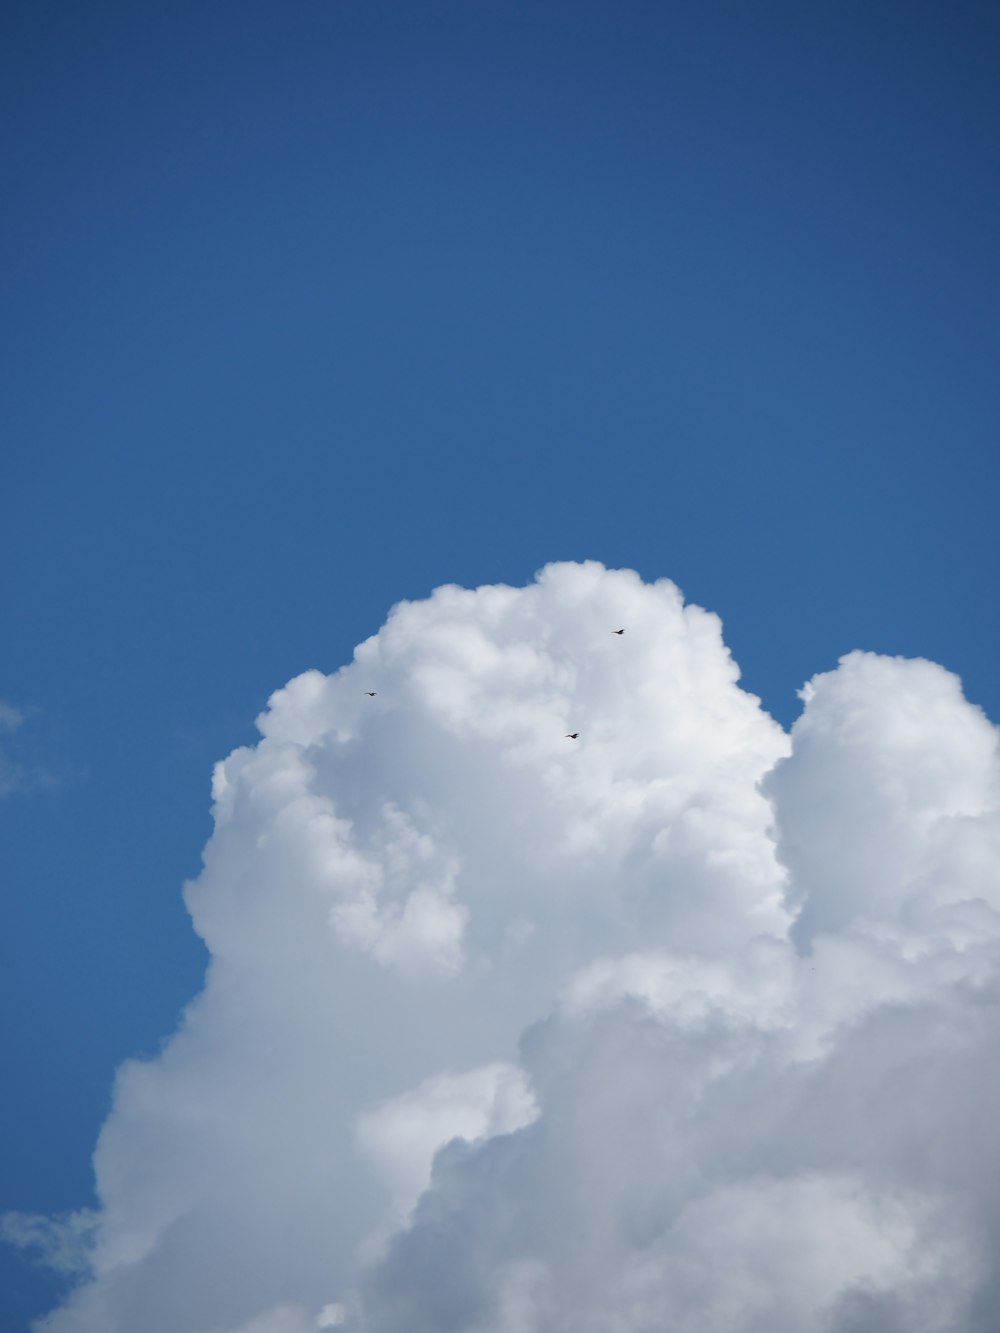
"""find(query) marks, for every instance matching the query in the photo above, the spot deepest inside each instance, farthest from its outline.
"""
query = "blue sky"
(309, 308)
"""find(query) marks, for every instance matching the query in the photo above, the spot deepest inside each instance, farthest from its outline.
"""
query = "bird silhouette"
(617, 631)
(371, 693)
(571, 736)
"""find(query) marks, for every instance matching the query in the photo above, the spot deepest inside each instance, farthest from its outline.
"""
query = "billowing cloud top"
(682, 1024)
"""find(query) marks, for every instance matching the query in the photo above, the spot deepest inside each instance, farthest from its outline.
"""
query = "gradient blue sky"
(310, 307)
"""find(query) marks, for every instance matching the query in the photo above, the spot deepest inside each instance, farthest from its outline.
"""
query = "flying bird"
(571, 736)
(371, 693)
(617, 631)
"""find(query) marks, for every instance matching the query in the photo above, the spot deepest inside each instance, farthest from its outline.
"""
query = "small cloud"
(10, 717)
(61, 1244)
(24, 771)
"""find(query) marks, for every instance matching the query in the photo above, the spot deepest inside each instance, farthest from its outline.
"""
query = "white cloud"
(402, 1135)
(684, 1024)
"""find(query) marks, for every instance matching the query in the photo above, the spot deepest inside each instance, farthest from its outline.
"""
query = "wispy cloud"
(23, 771)
(10, 717)
(687, 1023)
(60, 1243)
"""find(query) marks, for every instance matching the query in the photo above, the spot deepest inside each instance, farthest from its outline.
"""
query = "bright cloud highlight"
(688, 1023)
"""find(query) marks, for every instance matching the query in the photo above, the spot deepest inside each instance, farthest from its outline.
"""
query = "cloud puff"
(687, 1023)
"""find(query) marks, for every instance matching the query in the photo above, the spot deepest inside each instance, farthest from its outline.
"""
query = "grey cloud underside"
(691, 1024)
(850, 1193)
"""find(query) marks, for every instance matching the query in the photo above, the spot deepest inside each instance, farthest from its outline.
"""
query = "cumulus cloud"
(687, 1024)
